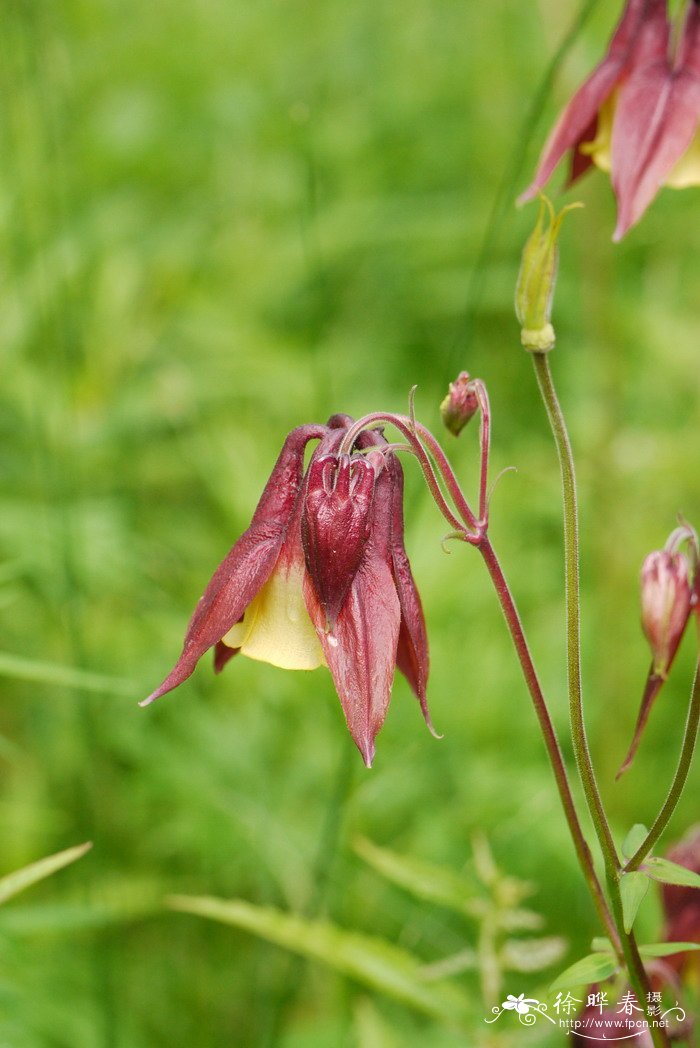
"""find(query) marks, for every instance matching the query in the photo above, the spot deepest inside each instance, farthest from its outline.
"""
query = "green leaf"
(370, 961)
(601, 945)
(422, 879)
(59, 676)
(633, 888)
(634, 840)
(14, 883)
(111, 902)
(665, 949)
(671, 873)
(593, 968)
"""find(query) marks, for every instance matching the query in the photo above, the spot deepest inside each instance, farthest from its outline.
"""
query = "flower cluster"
(637, 114)
(321, 577)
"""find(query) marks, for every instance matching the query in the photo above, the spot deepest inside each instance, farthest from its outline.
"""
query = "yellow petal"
(599, 149)
(687, 171)
(276, 627)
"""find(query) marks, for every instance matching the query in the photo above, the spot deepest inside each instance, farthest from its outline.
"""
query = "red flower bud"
(666, 597)
(460, 405)
(666, 605)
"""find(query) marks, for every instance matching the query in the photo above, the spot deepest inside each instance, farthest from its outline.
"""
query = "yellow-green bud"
(537, 278)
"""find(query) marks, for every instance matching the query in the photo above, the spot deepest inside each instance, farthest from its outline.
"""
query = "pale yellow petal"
(599, 149)
(687, 170)
(276, 627)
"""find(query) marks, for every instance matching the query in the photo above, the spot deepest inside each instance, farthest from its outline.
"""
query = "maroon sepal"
(653, 686)
(250, 562)
(655, 122)
(412, 656)
(361, 650)
(640, 17)
(336, 521)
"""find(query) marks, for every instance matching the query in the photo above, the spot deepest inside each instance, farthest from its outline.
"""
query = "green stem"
(635, 968)
(573, 612)
(679, 779)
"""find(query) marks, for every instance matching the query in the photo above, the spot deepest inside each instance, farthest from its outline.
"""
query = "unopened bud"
(537, 277)
(460, 405)
(666, 603)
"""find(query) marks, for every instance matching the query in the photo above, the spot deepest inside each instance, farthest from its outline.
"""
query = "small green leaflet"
(665, 949)
(593, 968)
(652, 949)
(633, 888)
(670, 873)
(634, 840)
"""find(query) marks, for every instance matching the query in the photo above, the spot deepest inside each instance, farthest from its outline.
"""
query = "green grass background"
(218, 221)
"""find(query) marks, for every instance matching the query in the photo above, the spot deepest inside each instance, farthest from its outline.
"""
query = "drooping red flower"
(578, 123)
(320, 577)
(637, 115)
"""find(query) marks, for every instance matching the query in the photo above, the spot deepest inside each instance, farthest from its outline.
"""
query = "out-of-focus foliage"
(220, 220)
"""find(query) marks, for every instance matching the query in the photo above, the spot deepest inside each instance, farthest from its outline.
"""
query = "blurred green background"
(220, 221)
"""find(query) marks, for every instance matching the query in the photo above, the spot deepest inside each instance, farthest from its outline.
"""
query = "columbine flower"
(637, 114)
(321, 577)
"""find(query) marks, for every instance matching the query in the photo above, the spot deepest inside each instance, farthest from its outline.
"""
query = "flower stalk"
(475, 532)
(635, 968)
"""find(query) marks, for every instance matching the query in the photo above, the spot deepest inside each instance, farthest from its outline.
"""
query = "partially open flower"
(321, 577)
(637, 115)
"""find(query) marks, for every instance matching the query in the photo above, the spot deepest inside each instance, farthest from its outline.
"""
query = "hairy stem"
(550, 738)
(573, 611)
(679, 779)
(635, 968)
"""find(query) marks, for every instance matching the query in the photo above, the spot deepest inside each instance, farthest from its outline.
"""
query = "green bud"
(537, 277)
